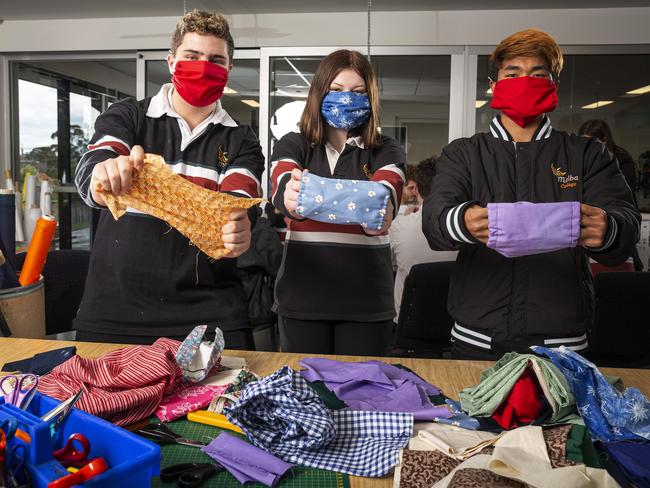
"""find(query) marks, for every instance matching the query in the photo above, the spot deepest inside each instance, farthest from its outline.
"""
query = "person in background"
(408, 244)
(145, 279)
(409, 194)
(601, 131)
(334, 291)
(532, 297)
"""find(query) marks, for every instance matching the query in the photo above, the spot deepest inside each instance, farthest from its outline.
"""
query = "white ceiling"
(71, 9)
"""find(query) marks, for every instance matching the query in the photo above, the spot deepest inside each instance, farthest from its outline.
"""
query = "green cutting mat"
(298, 477)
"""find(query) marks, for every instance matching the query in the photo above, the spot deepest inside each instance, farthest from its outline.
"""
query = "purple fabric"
(376, 386)
(524, 228)
(245, 461)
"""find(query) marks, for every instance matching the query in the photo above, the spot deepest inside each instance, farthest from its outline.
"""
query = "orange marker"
(37, 250)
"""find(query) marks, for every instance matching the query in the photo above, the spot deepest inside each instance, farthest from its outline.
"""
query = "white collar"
(352, 141)
(161, 104)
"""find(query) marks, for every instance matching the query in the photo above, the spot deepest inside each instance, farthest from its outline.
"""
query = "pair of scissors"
(69, 455)
(163, 435)
(58, 414)
(13, 458)
(19, 390)
(190, 475)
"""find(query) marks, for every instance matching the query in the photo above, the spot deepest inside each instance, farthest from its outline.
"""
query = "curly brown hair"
(203, 23)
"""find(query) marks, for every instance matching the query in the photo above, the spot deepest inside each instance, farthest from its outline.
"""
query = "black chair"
(424, 325)
(65, 278)
(620, 334)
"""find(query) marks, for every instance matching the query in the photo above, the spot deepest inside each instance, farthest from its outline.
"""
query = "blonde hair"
(203, 23)
(528, 43)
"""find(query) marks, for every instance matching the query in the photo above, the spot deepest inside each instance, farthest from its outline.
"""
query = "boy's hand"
(114, 175)
(237, 233)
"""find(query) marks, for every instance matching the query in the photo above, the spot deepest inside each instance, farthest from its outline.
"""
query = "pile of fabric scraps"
(376, 386)
(610, 415)
(214, 392)
(123, 386)
(129, 384)
(520, 389)
(284, 416)
(448, 456)
(620, 419)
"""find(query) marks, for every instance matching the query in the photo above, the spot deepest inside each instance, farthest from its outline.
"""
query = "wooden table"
(450, 376)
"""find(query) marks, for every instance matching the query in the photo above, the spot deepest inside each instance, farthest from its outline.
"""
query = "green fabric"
(496, 383)
(330, 400)
(580, 448)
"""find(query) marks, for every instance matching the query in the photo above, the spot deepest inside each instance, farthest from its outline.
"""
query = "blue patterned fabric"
(284, 416)
(196, 357)
(345, 110)
(608, 414)
(343, 201)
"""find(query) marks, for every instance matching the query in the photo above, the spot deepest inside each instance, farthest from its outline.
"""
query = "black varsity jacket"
(501, 304)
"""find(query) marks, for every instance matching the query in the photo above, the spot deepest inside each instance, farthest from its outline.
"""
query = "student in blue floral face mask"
(340, 182)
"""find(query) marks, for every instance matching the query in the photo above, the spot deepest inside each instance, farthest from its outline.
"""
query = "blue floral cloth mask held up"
(346, 110)
(343, 201)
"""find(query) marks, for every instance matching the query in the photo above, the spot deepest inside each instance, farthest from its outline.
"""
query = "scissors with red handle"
(70, 455)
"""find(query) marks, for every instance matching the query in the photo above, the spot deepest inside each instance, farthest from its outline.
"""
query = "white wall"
(569, 26)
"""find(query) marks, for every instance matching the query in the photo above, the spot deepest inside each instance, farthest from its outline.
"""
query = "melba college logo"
(565, 180)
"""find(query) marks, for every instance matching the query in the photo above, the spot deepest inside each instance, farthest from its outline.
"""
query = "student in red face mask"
(522, 275)
(145, 280)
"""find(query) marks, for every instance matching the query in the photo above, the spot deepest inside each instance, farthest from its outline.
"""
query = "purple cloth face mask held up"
(524, 228)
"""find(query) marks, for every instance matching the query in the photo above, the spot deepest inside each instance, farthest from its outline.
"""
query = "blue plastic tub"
(132, 460)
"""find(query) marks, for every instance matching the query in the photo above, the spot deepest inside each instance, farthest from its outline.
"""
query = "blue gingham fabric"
(284, 416)
(343, 201)
(610, 415)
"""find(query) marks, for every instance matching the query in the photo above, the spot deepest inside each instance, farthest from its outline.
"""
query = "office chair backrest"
(621, 324)
(65, 278)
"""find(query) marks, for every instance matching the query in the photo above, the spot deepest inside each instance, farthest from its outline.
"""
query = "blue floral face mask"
(346, 110)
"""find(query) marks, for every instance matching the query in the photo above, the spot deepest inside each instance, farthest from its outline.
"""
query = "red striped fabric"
(123, 386)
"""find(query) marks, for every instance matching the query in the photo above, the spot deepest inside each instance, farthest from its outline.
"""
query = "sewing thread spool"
(9, 180)
(29, 191)
(46, 197)
(37, 250)
(31, 217)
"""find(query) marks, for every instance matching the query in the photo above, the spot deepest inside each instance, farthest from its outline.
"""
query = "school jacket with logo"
(501, 303)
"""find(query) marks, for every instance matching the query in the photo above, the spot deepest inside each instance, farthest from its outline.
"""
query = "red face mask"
(524, 98)
(200, 83)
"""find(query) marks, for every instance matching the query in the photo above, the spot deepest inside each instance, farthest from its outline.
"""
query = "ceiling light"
(229, 91)
(251, 103)
(480, 103)
(640, 91)
(598, 104)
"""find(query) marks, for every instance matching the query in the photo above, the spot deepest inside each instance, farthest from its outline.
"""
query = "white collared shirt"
(161, 104)
(333, 154)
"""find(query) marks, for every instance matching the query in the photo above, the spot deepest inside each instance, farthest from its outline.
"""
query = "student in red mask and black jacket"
(145, 279)
(522, 275)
